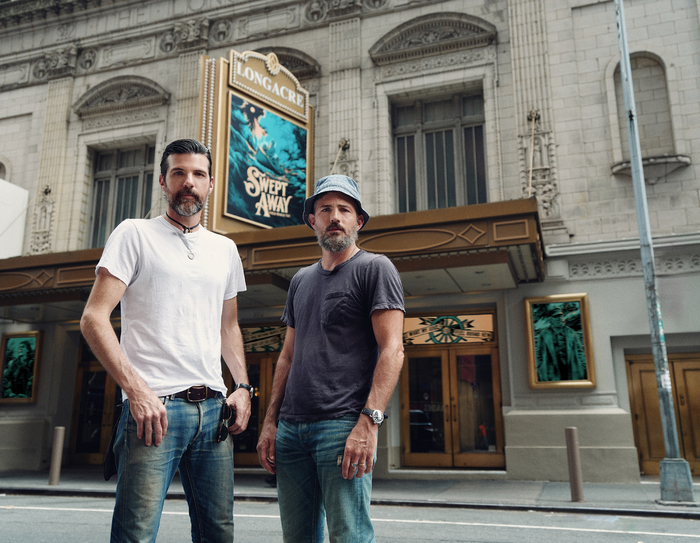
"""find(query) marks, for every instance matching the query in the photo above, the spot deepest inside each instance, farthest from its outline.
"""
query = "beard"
(338, 241)
(185, 207)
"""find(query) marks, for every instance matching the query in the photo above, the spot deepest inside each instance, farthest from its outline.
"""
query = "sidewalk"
(600, 498)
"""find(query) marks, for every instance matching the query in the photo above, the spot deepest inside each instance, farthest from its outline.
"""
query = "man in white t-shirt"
(177, 284)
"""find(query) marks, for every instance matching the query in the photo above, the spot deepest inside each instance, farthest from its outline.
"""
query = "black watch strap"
(249, 388)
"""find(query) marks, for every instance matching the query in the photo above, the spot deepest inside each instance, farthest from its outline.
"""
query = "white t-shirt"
(171, 310)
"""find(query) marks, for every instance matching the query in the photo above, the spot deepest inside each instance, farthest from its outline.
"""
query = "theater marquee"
(256, 119)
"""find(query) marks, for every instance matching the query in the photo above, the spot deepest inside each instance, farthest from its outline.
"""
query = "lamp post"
(676, 480)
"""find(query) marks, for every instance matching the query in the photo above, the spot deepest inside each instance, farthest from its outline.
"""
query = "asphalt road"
(43, 519)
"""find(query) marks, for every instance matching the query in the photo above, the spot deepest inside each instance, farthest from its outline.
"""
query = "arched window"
(3, 171)
(653, 111)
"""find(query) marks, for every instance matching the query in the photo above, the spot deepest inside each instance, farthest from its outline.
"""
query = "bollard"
(56, 455)
(575, 473)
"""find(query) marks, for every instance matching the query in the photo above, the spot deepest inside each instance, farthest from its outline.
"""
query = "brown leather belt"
(197, 394)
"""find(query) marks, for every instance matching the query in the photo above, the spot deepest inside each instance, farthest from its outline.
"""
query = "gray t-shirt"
(335, 351)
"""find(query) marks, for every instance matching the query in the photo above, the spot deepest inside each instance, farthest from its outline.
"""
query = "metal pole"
(56, 455)
(574, 456)
(676, 481)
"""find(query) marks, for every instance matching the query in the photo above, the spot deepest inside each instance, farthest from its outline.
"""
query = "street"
(43, 519)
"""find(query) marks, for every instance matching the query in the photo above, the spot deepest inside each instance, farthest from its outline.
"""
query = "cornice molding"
(431, 35)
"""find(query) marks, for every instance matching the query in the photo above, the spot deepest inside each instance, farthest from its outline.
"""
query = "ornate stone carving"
(375, 4)
(55, 64)
(43, 218)
(120, 93)
(544, 171)
(433, 34)
(316, 11)
(436, 63)
(627, 267)
(185, 35)
(87, 59)
(221, 32)
(342, 8)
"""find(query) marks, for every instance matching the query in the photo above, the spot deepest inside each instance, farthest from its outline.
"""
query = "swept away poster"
(266, 166)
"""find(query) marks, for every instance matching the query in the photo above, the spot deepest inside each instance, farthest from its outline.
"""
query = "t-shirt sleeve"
(385, 288)
(120, 256)
(236, 281)
(288, 314)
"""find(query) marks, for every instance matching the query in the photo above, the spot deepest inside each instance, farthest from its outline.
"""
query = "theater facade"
(488, 141)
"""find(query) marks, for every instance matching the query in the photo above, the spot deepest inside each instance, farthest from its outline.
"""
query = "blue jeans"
(145, 473)
(310, 484)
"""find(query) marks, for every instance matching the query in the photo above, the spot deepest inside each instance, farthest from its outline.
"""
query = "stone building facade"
(513, 99)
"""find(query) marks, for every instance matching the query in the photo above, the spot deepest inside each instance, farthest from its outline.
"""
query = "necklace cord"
(185, 229)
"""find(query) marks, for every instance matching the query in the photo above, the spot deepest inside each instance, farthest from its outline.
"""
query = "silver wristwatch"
(249, 388)
(376, 415)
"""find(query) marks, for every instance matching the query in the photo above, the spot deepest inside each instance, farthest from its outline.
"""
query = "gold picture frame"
(559, 346)
(20, 354)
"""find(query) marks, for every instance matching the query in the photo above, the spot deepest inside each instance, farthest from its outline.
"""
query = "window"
(653, 112)
(439, 153)
(122, 189)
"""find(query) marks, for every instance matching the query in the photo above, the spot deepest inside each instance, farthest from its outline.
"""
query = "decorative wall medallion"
(316, 11)
(221, 31)
(87, 59)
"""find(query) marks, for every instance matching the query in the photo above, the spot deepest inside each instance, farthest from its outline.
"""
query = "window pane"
(104, 162)
(151, 155)
(480, 163)
(406, 174)
(411, 173)
(439, 111)
(401, 173)
(475, 164)
(430, 169)
(126, 196)
(450, 188)
(147, 189)
(472, 105)
(404, 115)
(470, 165)
(101, 208)
(440, 169)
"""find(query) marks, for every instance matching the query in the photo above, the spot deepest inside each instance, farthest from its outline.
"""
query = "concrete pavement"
(638, 499)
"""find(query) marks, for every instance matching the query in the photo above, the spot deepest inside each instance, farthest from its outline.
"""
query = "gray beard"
(185, 208)
(337, 243)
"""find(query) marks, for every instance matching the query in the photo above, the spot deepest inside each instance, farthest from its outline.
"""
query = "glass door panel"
(426, 428)
(476, 408)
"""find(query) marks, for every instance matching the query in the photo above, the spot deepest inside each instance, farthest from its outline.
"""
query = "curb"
(581, 510)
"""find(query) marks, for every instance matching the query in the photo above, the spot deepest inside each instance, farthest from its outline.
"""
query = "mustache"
(335, 226)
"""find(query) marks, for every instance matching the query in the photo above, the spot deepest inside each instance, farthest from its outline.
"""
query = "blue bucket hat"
(335, 183)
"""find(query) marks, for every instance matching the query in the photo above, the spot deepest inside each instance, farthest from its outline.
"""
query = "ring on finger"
(354, 464)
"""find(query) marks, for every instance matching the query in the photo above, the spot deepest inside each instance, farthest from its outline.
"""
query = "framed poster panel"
(267, 169)
(560, 353)
(20, 360)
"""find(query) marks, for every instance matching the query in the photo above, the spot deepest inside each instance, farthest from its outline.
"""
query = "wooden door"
(451, 408)
(646, 414)
(686, 370)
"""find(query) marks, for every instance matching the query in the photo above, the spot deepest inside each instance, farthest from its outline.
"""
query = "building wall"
(556, 59)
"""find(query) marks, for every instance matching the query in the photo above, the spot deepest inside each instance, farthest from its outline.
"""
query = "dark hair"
(183, 147)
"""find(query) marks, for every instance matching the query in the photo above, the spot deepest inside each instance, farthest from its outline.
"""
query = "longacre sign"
(265, 78)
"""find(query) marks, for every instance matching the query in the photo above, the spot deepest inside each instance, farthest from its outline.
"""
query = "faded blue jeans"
(310, 484)
(145, 473)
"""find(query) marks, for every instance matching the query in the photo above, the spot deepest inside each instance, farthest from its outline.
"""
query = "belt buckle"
(200, 394)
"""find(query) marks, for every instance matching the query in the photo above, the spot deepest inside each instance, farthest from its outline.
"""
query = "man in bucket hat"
(337, 370)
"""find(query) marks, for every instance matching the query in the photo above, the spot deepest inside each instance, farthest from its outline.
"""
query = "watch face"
(377, 417)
